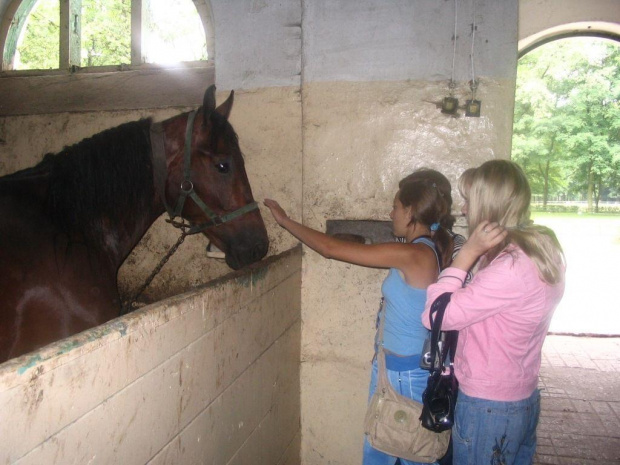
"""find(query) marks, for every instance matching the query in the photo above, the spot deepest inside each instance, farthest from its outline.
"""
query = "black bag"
(439, 398)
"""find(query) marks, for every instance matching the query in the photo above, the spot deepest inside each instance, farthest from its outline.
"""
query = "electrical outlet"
(449, 105)
(472, 108)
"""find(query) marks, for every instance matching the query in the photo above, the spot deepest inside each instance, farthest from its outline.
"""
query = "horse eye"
(223, 168)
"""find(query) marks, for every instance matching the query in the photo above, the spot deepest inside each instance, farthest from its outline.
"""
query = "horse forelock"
(101, 180)
(221, 129)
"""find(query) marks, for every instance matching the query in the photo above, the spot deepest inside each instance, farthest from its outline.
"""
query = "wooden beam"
(124, 90)
(70, 33)
(137, 11)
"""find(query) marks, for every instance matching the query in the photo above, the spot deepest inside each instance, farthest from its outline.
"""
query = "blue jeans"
(495, 433)
(407, 383)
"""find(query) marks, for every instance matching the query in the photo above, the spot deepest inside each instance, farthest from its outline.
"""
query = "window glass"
(38, 45)
(106, 32)
(172, 32)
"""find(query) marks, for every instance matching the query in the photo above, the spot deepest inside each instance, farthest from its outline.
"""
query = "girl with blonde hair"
(502, 316)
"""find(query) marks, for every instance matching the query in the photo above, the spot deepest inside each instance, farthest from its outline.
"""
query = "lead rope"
(131, 304)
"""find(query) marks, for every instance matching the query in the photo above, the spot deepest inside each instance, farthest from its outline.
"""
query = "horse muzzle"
(247, 247)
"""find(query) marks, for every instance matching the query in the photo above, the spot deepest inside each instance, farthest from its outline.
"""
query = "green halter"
(187, 187)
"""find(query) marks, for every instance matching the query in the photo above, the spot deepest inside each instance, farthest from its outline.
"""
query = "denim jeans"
(410, 384)
(495, 433)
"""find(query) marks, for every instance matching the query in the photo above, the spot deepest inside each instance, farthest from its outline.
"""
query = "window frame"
(126, 86)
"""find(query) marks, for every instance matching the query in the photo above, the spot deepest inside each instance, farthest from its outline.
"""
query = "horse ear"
(208, 103)
(225, 108)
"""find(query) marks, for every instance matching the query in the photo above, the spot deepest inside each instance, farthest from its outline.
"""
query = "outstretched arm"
(390, 255)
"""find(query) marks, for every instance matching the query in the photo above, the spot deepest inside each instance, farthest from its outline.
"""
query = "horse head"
(208, 186)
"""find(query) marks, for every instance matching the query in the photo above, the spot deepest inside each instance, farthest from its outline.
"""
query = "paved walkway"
(580, 417)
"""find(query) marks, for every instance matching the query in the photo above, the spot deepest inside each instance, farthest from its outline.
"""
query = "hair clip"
(434, 227)
(438, 190)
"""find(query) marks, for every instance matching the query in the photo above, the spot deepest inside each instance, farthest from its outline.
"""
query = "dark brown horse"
(68, 223)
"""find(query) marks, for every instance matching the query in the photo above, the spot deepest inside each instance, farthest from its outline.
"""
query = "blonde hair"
(498, 191)
(465, 182)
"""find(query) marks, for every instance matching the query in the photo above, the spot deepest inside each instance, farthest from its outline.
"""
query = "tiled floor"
(580, 417)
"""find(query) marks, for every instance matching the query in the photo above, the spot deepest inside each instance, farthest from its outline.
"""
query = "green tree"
(566, 118)
(106, 32)
(170, 26)
(39, 44)
(536, 147)
(591, 124)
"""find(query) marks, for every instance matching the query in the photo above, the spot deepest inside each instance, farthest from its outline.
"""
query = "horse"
(68, 223)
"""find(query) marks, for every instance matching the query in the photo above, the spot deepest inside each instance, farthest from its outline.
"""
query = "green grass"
(598, 216)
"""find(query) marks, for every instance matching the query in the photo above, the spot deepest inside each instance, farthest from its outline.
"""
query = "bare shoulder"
(421, 270)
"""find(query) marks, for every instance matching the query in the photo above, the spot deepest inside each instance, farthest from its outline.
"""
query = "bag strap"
(381, 370)
(438, 357)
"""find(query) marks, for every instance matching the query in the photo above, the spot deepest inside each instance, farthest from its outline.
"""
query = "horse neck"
(120, 239)
(118, 203)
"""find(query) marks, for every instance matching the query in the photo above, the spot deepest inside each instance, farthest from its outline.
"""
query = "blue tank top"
(403, 333)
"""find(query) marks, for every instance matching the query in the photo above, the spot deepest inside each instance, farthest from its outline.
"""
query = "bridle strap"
(160, 170)
(187, 187)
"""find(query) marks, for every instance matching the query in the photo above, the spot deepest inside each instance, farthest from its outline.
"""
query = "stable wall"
(370, 112)
(209, 376)
(356, 177)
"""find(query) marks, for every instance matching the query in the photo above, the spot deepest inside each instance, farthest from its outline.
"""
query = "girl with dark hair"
(418, 208)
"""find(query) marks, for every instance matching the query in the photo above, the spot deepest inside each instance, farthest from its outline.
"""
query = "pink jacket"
(502, 316)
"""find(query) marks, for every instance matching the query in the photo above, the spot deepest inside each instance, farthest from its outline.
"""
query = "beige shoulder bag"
(392, 424)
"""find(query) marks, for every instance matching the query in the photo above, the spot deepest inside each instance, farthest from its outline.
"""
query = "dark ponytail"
(430, 194)
(445, 246)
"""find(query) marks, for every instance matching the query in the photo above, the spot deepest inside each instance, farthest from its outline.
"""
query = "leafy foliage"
(39, 44)
(106, 32)
(567, 119)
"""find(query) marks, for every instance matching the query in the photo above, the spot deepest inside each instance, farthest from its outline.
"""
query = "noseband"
(187, 187)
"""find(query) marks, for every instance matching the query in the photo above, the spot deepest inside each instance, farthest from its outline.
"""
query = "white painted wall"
(540, 19)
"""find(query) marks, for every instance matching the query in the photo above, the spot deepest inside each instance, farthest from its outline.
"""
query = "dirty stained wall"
(370, 118)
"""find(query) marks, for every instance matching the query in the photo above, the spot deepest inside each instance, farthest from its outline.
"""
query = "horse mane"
(101, 181)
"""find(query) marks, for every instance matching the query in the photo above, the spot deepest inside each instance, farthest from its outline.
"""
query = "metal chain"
(129, 306)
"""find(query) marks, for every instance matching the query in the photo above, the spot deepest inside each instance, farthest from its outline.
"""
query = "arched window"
(75, 34)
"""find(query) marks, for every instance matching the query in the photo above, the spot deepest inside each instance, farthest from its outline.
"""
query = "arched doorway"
(566, 110)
